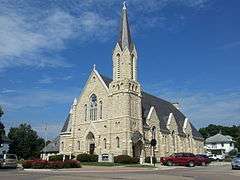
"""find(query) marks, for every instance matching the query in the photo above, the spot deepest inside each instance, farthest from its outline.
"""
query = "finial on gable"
(75, 102)
(94, 67)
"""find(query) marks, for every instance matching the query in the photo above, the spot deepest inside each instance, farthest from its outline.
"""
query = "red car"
(203, 160)
(183, 159)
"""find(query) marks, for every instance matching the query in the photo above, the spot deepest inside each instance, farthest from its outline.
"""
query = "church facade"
(114, 116)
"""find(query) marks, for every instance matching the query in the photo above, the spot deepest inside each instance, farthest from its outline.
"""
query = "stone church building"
(116, 117)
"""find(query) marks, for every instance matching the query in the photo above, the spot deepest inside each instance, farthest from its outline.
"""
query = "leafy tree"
(25, 143)
(212, 129)
(1, 112)
(2, 131)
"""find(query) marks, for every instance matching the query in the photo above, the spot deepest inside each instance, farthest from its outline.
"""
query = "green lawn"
(113, 164)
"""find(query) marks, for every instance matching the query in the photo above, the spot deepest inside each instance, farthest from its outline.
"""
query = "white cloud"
(30, 39)
(37, 98)
(29, 30)
(50, 80)
(229, 45)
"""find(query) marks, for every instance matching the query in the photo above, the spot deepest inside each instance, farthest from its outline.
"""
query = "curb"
(38, 170)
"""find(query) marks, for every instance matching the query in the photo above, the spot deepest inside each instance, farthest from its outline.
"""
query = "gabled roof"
(106, 80)
(52, 146)
(219, 138)
(65, 126)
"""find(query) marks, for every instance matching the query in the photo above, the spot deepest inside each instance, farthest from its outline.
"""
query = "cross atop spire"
(125, 35)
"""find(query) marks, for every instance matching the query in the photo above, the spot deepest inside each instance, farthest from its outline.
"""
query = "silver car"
(236, 162)
(8, 161)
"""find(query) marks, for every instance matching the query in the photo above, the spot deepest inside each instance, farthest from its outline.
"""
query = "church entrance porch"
(90, 143)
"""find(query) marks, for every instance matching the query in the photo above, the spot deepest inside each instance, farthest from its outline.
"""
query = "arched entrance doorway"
(90, 139)
(137, 144)
(137, 149)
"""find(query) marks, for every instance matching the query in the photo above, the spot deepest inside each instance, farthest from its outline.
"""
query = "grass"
(108, 164)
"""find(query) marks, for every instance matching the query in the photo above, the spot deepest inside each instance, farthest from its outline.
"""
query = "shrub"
(233, 152)
(125, 159)
(41, 164)
(60, 157)
(71, 164)
(148, 160)
(87, 157)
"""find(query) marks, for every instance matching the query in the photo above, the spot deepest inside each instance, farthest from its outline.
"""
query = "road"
(107, 173)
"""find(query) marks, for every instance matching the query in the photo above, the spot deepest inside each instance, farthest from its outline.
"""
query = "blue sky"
(189, 52)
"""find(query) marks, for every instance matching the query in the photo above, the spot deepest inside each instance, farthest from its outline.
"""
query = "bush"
(87, 157)
(148, 159)
(60, 157)
(233, 152)
(125, 159)
(71, 164)
(41, 164)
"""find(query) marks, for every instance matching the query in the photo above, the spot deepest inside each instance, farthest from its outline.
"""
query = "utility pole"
(45, 134)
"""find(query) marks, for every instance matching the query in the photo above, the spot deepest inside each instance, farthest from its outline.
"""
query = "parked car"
(216, 157)
(236, 162)
(8, 161)
(183, 159)
(203, 159)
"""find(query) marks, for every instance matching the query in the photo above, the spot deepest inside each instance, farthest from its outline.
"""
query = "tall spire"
(125, 35)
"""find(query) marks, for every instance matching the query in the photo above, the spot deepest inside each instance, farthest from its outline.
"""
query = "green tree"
(2, 131)
(25, 143)
(1, 112)
(212, 129)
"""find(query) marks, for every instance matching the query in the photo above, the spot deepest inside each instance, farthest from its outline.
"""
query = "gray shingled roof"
(52, 146)
(125, 35)
(65, 126)
(219, 138)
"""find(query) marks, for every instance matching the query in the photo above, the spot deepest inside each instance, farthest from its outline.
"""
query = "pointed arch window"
(101, 109)
(78, 145)
(85, 112)
(173, 140)
(154, 132)
(93, 107)
(105, 143)
(62, 146)
(118, 142)
(132, 66)
(118, 66)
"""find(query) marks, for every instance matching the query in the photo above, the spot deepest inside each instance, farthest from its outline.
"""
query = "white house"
(4, 146)
(219, 144)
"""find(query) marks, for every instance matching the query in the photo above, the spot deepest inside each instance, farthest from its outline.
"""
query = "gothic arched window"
(105, 143)
(118, 66)
(154, 132)
(101, 108)
(93, 107)
(118, 142)
(85, 112)
(173, 140)
(78, 145)
(62, 146)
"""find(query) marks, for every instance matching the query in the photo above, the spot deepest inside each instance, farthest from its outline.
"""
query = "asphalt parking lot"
(221, 172)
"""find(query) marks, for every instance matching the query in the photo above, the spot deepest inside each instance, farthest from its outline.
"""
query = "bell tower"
(124, 54)
(125, 89)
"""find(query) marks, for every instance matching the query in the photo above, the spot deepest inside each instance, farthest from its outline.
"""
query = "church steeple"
(124, 54)
(125, 34)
